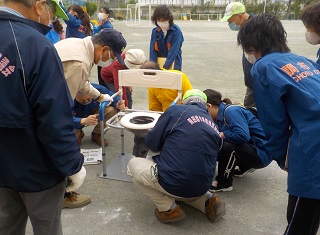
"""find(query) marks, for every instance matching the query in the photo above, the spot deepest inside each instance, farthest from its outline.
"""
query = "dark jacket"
(246, 66)
(189, 142)
(38, 147)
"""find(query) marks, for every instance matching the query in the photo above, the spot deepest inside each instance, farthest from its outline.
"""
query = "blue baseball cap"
(114, 40)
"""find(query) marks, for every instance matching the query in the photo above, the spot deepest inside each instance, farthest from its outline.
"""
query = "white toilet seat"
(126, 120)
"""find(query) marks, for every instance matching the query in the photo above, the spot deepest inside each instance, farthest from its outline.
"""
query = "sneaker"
(215, 208)
(173, 215)
(214, 183)
(239, 173)
(76, 200)
(220, 188)
(97, 138)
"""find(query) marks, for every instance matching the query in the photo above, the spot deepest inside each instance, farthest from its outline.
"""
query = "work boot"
(80, 137)
(76, 200)
(95, 137)
(170, 216)
(215, 208)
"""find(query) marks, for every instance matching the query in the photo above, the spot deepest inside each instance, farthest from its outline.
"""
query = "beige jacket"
(77, 60)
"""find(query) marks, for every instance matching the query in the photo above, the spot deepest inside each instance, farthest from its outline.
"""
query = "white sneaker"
(238, 173)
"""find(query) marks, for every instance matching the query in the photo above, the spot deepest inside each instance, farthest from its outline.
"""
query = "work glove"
(105, 97)
(76, 180)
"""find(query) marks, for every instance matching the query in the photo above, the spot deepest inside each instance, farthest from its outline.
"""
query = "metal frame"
(134, 78)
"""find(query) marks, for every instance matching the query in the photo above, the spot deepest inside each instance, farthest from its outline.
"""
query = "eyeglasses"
(51, 6)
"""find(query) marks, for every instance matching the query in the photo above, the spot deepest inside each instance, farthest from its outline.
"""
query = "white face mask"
(251, 58)
(105, 63)
(312, 38)
(102, 16)
(164, 25)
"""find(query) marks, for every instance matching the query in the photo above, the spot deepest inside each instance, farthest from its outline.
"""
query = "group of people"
(284, 88)
(286, 95)
(53, 100)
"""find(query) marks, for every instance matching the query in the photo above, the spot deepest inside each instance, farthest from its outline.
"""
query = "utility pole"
(288, 11)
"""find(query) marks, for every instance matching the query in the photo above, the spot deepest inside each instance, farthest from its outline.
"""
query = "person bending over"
(244, 140)
(184, 169)
(86, 112)
(286, 88)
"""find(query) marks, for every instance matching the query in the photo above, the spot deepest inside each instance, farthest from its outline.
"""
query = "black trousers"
(232, 155)
(101, 82)
(303, 216)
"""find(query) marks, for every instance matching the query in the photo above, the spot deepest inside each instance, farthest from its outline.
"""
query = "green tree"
(91, 8)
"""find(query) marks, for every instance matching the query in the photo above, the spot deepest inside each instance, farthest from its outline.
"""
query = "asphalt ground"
(257, 203)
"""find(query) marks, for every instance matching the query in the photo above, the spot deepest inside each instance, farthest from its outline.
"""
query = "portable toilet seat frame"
(117, 169)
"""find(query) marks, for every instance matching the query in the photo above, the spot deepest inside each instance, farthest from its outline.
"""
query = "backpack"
(253, 110)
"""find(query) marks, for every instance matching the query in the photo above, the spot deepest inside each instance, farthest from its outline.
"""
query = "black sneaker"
(239, 173)
(220, 188)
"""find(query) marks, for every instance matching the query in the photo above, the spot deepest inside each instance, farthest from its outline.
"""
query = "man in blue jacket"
(86, 112)
(287, 94)
(188, 141)
(36, 111)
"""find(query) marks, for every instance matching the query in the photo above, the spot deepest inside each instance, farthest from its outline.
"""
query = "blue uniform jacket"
(82, 111)
(169, 46)
(287, 94)
(38, 147)
(75, 29)
(189, 143)
(241, 126)
(106, 24)
(53, 36)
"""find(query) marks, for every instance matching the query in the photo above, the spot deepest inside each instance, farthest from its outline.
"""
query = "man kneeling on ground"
(86, 112)
(185, 167)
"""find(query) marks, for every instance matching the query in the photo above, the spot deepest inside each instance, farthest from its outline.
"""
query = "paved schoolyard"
(257, 204)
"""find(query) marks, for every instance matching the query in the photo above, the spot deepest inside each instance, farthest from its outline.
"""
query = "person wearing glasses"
(37, 111)
(78, 57)
(236, 16)
(86, 112)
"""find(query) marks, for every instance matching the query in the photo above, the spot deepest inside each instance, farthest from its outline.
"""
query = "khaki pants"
(143, 176)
